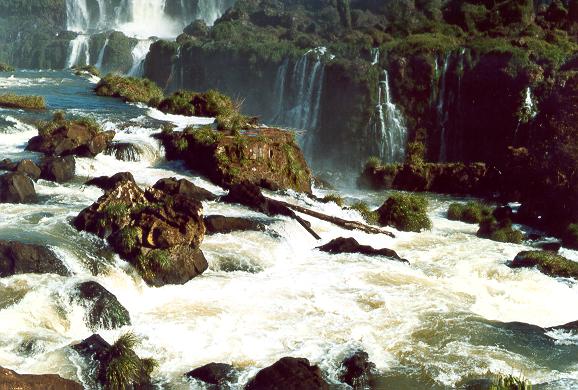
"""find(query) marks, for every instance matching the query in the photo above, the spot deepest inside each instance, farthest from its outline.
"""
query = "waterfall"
(79, 51)
(529, 107)
(375, 55)
(139, 54)
(77, 17)
(441, 110)
(211, 10)
(101, 55)
(388, 126)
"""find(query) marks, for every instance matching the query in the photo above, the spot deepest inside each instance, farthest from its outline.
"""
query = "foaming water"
(270, 294)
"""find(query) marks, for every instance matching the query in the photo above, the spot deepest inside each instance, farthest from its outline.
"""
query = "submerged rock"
(11, 380)
(158, 233)
(350, 245)
(108, 183)
(184, 187)
(356, 370)
(16, 188)
(18, 258)
(104, 309)
(265, 157)
(124, 151)
(220, 224)
(289, 374)
(58, 169)
(217, 374)
(548, 263)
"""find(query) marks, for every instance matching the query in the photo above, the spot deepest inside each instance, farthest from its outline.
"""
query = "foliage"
(335, 198)
(406, 212)
(130, 89)
(81, 69)
(415, 154)
(22, 102)
(373, 162)
(6, 68)
(154, 261)
(59, 121)
(499, 230)
(547, 262)
(472, 212)
(367, 214)
(130, 237)
(571, 236)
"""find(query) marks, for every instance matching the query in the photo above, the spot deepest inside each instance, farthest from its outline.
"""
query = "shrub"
(501, 231)
(23, 102)
(415, 153)
(363, 209)
(130, 237)
(373, 162)
(548, 263)
(6, 68)
(335, 198)
(81, 69)
(130, 89)
(59, 121)
(406, 212)
(570, 237)
(472, 212)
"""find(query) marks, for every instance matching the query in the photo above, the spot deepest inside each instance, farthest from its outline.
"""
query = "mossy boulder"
(498, 227)
(22, 102)
(117, 54)
(266, 157)
(405, 212)
(61, 137)
(156, 232)
(548, 263)
(130, 89)
(6, 68)
(104, 311)
(471, 212)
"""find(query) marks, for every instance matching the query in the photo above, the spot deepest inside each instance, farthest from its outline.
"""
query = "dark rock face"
(28, 167)
(289, 374)
(356, 370)
(75, 139)
(17, 258)
(16, 188)
(220, 224)
(10, 380)
(350, 245)
(184, 187)
(58, 169)
(217, 374)
(7, 165)
(108, 183)
(104, 309)
(250, 195)
(158, 233)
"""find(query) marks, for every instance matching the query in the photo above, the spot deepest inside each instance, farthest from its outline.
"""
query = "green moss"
(181, 144)
(335, 198)
(571, 236)
(363, 208)
(130, 89)
(22, 102)
(157, 260)
(6, 68)
(406, 212)
(82, 69)
(472, 212)
(433, 43)
(115, 210)
(501, 231)
(206, 135)
(373, 162)
(59, 121)
(548, 263)
(130, 237)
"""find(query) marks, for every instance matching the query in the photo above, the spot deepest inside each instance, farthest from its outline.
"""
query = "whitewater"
(266, 295)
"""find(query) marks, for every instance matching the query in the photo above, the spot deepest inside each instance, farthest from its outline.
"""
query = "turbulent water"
(272, 294)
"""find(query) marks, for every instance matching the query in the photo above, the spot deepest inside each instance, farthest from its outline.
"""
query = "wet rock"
(16, 188)
(547, 262)
(356, 370)
(58, 169)
(220, 224)
(184, 187)
(7, 165)
(124, 151)
(547, 245)
(217, 374)
(350, 245)
(18, 258)
(571, 326)
(10, 380)
(289, 374)
(104, 309)
(479, 384)
(29, 168)
(250, 195)
(158, 233)
(94, 347)
(108, 183)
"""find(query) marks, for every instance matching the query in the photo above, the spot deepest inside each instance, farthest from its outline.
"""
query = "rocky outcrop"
(108, 183)
(350, 245)
(58, 169)
(216, 374)
(29, 168)
(18, 258)
(16, 188)
(356, 370)
(10, 380)
(184, 187)
(266, 157)
(124, 151)
(104, 311)
(547, 262)
(289, 374)
(216, 224)
(158, 233)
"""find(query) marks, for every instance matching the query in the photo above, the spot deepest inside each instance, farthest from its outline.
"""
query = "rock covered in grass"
(405, 212)
(19, 258)
(16, 188)
(58, 169)
(498, 227)
(11, 380)
(158, 233)
(104, 311)
(217, 374)
(130, 89)
(266, 157)
(350, 245)
(6, 68)
(472, 212)
(216, 224)
(289, 374)
(22, 102)
(61, 137)
(548, 263)
(570, 237)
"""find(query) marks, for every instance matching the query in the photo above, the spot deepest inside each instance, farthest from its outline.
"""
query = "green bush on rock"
(406, 212)
(472, 212)
(499, 230)
(22, 102)
(6, 68)
(547, 262)
(362, 208)
(570, 238)
(130, 89)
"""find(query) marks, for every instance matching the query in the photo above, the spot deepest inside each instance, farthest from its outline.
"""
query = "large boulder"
(104, 311)
(16, 188)
(108, 183)
(18, 258)
(58, 169)
(184, 187)
(216, 224)
(350, 245)
(158, 233)
(10, 380)
(216, 374)
(28, 167)
(548, 263)
(289, 374)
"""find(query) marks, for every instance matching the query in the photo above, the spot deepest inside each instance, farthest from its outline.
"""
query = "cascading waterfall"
(392, 130)
(211, 10)
(101, 55)
(139, 54)
(441, 110)
(529, 106)
(375, 56)
(79, 51)
(77, 16)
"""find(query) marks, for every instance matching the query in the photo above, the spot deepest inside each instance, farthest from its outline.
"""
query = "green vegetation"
(206, 135)
(571, 236)
(373, 162)
(122, 367)
(510, 382)
(405, 212)
(82, 69)
(6, 68)
(362, 208)
(153, 262)
(59, 121)
(335, 198)
(130, 89)
(116, 210)
(472, 212)
(130, 237)
(548, 263)
(22, 102)
(499, 230)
